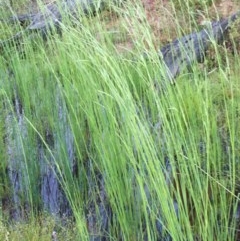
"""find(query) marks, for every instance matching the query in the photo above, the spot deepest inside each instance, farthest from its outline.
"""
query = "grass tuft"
(129, 156)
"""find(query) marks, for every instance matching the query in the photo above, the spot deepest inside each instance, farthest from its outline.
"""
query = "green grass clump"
(40, 229)
(150, 158)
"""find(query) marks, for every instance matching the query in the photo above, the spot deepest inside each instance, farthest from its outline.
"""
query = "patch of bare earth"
(165, 19)
(159, 19)
(161, 16)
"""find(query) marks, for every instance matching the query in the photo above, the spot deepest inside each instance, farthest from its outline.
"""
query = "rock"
(51, 16)
(184, 51)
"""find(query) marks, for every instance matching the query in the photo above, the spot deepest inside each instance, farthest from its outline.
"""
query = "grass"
(135, 161)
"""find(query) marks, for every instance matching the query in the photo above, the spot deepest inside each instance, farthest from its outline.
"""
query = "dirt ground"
(162, 17)
(160, 14)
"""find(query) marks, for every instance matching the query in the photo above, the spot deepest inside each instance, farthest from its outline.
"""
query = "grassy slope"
(194, 124)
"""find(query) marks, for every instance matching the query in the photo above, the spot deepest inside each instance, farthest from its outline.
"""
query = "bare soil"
(162, 17)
